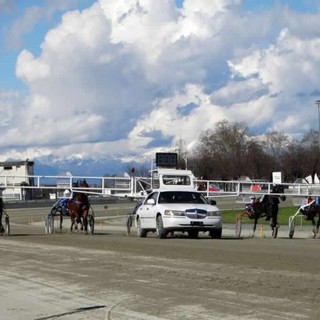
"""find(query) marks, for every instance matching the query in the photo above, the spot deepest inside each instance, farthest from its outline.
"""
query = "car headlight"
(175, 213)
(213, 213)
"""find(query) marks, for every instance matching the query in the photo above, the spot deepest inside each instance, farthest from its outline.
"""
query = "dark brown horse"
(78, 207)
(267, 206)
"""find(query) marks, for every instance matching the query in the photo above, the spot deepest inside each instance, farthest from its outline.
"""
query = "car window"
(181, 197)
(176, 180)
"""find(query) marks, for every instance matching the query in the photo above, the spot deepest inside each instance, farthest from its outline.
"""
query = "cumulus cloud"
(287, 70)
(128, 77)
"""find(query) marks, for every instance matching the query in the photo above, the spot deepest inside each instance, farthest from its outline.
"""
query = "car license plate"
(196, 223)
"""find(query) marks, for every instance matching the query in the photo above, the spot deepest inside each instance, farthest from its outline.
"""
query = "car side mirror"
(213, 202)
(151, 202)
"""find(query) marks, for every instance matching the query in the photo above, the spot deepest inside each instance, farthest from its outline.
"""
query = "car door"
(147, 212)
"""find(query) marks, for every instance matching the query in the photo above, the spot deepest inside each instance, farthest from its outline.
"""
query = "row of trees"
(229, 151)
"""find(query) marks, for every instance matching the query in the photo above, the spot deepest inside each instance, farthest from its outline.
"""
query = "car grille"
(196, 213)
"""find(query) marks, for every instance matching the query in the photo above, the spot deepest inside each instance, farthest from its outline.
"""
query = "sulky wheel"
(91, 224)
(292, 224)
(46, 225)
(238, 226)
(7, 226)
(49, 224)
(129, 224)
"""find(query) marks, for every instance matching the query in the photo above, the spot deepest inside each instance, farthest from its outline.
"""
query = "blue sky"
(143, 74)
(295, 5)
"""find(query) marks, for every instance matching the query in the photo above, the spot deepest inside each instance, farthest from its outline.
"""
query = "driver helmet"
(66, 193)
(252, 198)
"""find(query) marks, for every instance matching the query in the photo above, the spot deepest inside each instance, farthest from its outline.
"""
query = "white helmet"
(66, 193)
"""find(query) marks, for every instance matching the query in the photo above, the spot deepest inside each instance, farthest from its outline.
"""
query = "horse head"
(83, 183)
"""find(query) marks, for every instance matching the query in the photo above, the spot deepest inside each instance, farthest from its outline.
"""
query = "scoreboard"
(165, 159)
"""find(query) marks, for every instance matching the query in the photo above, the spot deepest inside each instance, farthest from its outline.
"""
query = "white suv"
(183, 210)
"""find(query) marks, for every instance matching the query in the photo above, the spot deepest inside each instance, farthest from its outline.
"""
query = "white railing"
(134, 186)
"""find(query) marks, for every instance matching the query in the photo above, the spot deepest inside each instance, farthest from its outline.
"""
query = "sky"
(123, 79)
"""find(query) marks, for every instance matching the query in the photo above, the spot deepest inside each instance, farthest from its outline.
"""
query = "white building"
(13, 176)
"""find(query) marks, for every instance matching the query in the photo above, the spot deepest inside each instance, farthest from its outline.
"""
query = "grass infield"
(229, 216)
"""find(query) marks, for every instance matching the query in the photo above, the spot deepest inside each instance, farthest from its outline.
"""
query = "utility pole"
(318, 154)
(318, 105)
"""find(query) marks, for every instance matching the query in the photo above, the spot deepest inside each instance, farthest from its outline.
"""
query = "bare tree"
(310, 153)
(292, 164)
(227, 152)
(258, 162)
(223, 150)
(182, 153)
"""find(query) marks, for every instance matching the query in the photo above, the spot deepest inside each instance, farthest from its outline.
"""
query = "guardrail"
(12, 186)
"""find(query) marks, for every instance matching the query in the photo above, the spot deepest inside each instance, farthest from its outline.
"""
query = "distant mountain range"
(82, 167)
(79, 167)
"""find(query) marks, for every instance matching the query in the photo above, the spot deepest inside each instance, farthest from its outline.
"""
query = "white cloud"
(287, 69)
(29, 69)
(122, 75)
(168, 119)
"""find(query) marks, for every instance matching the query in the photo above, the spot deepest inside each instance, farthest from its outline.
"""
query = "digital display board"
(165, 159)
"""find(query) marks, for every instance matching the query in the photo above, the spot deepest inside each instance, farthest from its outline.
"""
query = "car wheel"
(142, 233)
(161, 232)
(216, 233)
(193, 234)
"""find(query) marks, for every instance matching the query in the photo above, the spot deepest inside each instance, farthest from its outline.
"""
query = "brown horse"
(78, 207)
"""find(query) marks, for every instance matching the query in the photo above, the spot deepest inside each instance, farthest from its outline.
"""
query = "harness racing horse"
(78, 208)
(309, 214)
(267, 206)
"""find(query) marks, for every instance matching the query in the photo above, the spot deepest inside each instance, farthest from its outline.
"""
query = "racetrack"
(111, 276)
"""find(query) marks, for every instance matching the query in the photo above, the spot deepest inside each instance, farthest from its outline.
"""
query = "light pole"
(318, 105)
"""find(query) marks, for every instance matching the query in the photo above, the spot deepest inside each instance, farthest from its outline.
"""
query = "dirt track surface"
(111, 276)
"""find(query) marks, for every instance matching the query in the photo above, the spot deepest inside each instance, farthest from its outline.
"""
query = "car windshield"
(181, 197)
